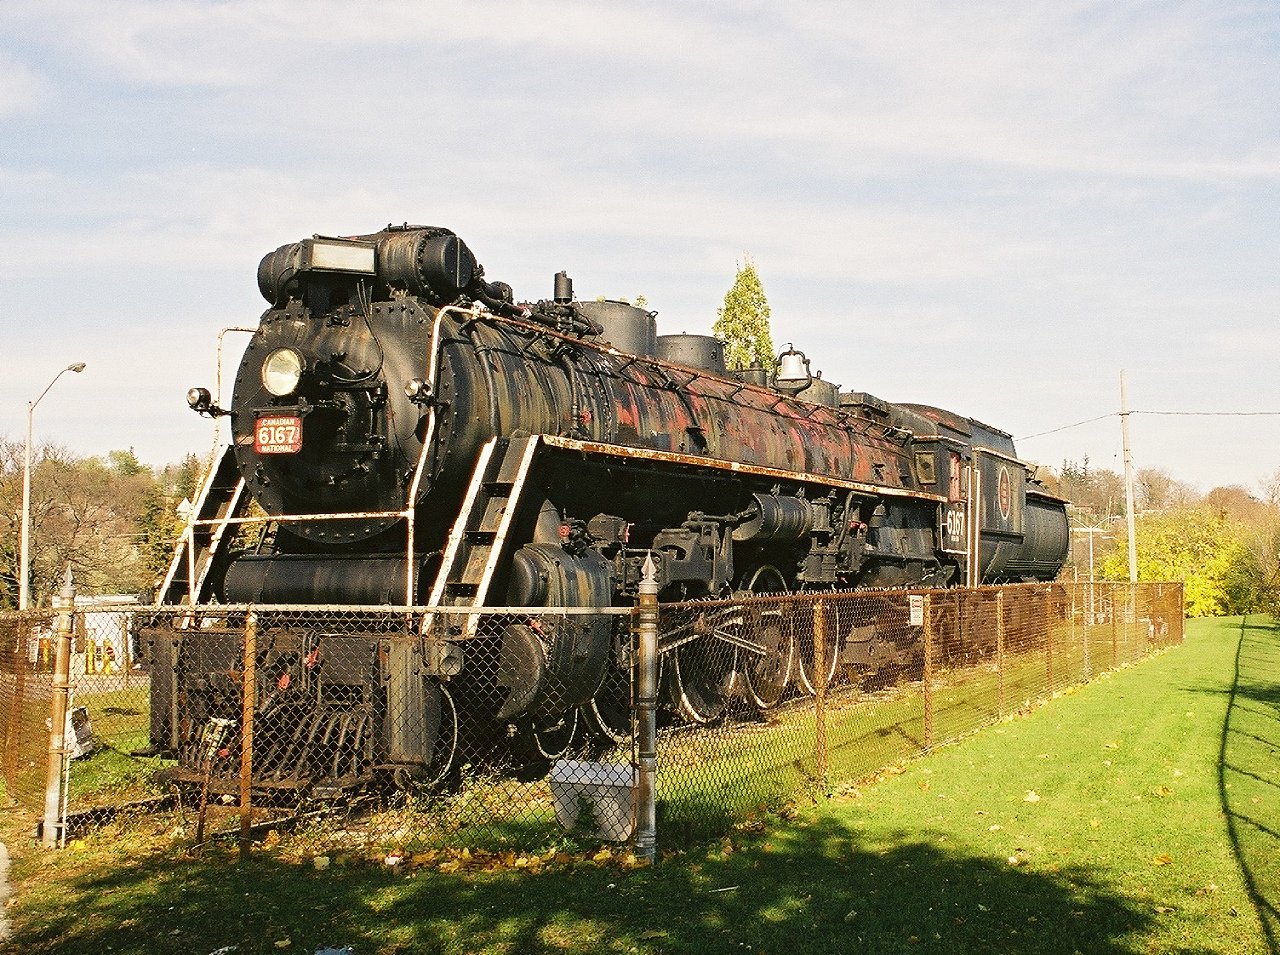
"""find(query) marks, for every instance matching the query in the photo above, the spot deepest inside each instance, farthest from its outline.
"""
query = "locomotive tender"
(419, 438)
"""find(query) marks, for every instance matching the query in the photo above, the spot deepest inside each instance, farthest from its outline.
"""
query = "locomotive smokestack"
(564, 288)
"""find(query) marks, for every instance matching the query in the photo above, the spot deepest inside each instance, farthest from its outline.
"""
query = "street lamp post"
(24, 560)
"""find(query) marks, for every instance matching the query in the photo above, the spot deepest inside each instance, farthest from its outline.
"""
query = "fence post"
(1000, 652)
(249, 694)
(820, 691)
(1115, 649)
(13, 730)
(1048, 639)
(646, 662)
(1088, 622)
(928, 674)
(53, 821)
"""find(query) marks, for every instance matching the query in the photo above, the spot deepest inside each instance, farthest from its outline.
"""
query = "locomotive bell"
(793, 372)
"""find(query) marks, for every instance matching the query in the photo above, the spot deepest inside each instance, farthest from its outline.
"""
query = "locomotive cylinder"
(775, 519)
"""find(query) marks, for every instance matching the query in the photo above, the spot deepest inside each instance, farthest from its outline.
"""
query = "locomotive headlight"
(281, 372)
(199, 400)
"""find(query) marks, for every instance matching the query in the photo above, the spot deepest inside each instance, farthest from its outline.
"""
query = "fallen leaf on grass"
(1031, 796)
(1162, 859)
(1162, 791)
(1164, 909)
(1112, 745)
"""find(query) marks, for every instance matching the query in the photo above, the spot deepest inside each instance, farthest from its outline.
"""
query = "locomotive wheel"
(554, 740)
(806, 658)
(767, 674)
(704, 678)
(609, 712)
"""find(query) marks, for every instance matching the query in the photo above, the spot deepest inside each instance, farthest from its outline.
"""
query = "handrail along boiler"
(417, 437)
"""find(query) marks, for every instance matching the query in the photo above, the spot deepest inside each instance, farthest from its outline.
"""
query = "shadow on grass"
(805, 889)
(1253, 718)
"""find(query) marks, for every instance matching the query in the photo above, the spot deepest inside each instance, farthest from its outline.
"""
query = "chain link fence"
(779, 696)
(409, 730)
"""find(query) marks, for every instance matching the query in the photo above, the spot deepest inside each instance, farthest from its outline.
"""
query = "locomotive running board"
(221, 500)
(476, 542)
(737, 467)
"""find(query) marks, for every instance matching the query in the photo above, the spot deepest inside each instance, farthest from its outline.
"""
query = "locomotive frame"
(543, 454)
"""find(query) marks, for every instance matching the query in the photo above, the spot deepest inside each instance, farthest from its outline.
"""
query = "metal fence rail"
(408, 730)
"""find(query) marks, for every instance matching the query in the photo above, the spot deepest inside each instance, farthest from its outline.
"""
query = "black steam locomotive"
(417, 437)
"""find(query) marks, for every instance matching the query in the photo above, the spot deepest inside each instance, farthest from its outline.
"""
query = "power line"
(1212, 414)
(1068, 427)
(1179, 414)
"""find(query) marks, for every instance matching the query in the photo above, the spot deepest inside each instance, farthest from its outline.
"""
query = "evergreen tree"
(742, 323)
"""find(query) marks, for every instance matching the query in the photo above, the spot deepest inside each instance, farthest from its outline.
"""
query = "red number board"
(278, 434)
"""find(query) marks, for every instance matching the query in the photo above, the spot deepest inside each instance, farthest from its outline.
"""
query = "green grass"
(710, 777)
(1155, 827)
(121, 724)
(1113, 794)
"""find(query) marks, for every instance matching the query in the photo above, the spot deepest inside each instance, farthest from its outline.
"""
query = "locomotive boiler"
(416, 437)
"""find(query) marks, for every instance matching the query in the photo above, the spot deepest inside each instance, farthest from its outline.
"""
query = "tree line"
(1223, 546)
(113, 518)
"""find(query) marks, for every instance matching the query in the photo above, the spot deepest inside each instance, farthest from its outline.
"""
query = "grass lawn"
(1137, 814)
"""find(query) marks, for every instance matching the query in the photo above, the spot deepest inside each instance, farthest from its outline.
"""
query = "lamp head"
(77, 367)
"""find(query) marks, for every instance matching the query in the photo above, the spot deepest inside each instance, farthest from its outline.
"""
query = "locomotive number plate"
(278, 434)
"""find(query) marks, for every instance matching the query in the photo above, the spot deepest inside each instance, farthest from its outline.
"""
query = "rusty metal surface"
(646, 403)
(668, 457)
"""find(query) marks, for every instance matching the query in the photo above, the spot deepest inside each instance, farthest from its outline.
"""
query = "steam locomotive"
(419, 438)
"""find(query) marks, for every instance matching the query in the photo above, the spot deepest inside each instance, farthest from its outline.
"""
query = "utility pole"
(1091, 531)
(1128, 480)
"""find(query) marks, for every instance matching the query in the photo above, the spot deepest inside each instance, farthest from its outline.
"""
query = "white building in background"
(102, 643)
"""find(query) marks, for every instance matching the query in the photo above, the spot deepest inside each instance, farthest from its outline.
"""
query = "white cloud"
(22, 90)
(971, 204)
(1097, 89)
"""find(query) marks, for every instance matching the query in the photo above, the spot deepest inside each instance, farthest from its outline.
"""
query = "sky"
(991, 207)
